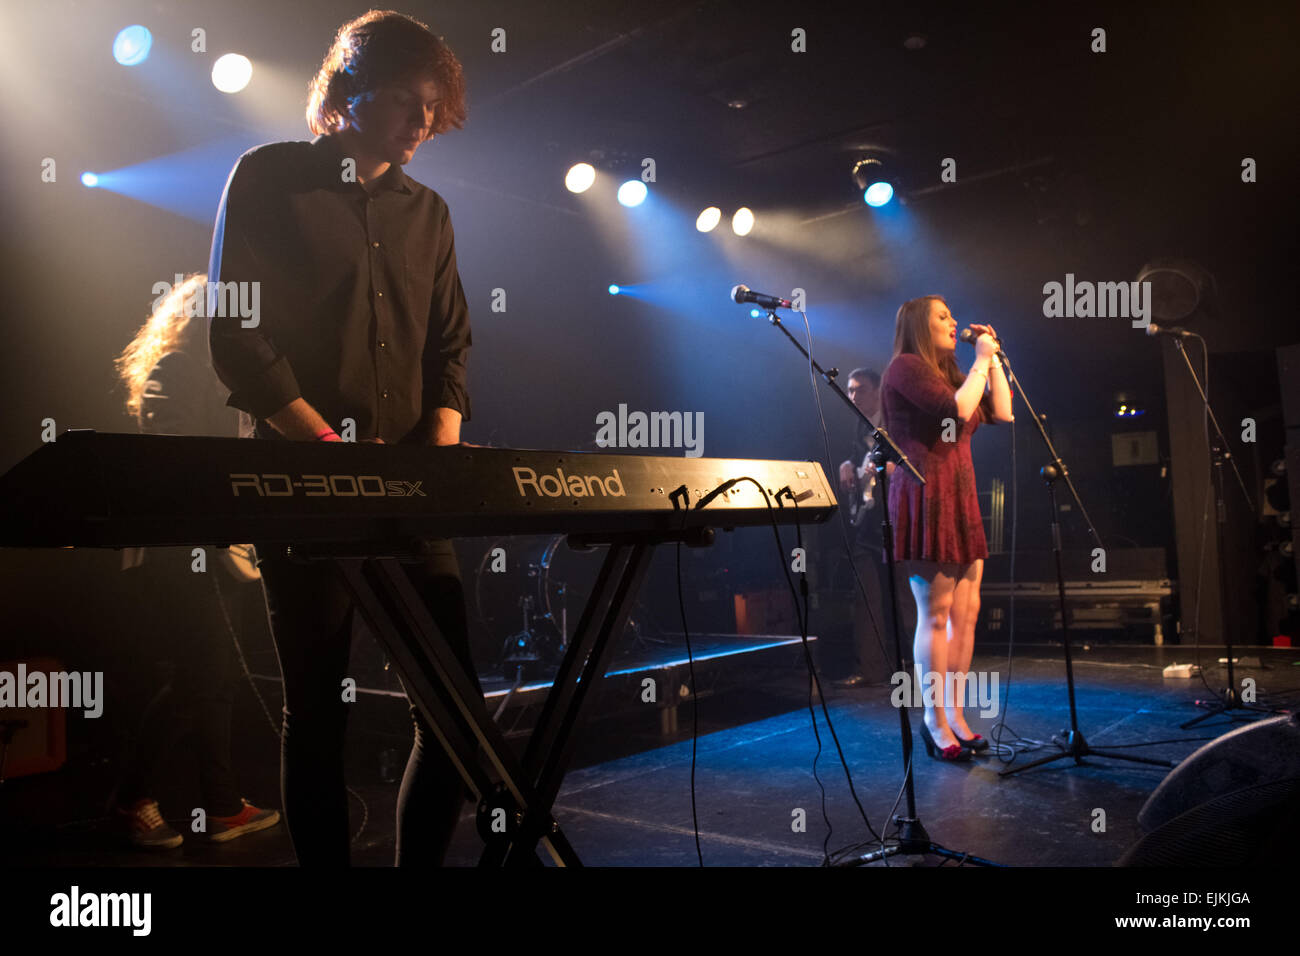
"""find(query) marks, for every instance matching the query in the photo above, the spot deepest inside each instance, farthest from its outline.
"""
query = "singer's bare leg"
(933, 588)
(961, 642)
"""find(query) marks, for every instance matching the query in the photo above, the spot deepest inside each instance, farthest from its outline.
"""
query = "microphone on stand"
(1153, 329)
(742, 294)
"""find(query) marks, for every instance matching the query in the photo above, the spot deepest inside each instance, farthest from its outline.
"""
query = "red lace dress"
(938, 521)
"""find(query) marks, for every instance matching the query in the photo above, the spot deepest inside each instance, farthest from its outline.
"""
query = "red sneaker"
(248, 820)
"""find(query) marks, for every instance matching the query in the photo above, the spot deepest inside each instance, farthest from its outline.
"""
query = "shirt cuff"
(453, 395)
(268, 392)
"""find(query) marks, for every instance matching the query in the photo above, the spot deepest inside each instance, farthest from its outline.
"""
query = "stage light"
(90, 180)
(875, 174)
(613, 289)
(708, 220)
(755, 313)
(131, 45)
(742, 222)
(632, 193)
(878, 194)
(231, 73)
(580, 177)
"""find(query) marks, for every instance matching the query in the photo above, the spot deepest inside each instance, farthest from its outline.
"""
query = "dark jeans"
(186, 628)
(311, 613)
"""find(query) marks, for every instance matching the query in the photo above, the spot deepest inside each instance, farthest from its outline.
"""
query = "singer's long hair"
(163, 332)
(912, 336)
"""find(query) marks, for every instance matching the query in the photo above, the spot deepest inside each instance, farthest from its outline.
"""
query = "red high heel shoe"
(978, 743)
(954, 753)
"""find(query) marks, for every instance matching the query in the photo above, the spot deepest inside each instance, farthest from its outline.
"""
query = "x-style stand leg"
(451, 704)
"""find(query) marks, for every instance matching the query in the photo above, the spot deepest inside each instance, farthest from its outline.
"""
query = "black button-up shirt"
(361, 309)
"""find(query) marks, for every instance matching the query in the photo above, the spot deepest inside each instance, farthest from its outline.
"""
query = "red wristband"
(328, 435)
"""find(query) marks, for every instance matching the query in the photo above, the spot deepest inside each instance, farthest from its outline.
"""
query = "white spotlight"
(580, 177)
(743, 221)
(231, 73)
(708, 220)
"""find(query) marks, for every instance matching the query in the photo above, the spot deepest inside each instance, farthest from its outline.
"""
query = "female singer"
(932, 410)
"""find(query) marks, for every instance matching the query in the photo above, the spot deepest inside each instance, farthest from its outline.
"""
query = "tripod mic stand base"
(1076, 748)
(1227, 701)
(914, 841)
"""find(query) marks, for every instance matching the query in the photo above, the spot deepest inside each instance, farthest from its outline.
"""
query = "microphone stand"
(913, 840)
(1228, 700)
(1075, 747)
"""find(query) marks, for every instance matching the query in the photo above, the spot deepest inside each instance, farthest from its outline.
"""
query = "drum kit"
(527, 604)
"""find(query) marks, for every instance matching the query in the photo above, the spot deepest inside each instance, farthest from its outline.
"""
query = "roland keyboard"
(92, 489)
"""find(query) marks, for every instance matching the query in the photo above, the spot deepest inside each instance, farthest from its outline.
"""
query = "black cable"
(803, 632)
(785, 567)
(890, 840)
(695, 697)
(1205, 512)
(898, 798)
(248, 674)
(802, 615)
(1005, 740)
(239, 652)
(1205, 520)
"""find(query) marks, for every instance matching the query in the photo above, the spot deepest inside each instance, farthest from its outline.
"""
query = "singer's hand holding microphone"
(987, 343)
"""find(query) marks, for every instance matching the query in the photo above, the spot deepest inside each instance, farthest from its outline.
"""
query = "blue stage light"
(755, 313)
(89, 179)
(613, 289)
(131, 46)
(878, 194)
(632, 193)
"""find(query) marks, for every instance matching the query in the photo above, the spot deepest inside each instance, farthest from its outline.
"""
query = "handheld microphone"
(969, 335)
(742, 294)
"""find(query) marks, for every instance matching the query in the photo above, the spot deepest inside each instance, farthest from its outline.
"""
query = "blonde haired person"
(172, 391)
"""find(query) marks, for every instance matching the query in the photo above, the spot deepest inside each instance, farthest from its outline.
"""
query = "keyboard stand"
(514, 796)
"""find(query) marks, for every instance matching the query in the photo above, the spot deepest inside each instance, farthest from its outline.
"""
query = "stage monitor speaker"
(32, 739)
(1234, 801)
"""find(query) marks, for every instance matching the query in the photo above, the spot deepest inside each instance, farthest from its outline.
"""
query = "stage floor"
(627, 801)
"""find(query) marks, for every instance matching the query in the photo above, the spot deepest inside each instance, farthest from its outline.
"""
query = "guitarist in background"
(861, 504)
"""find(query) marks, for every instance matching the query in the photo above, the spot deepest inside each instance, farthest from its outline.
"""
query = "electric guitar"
(861, 498)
